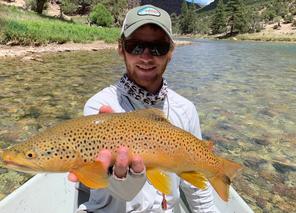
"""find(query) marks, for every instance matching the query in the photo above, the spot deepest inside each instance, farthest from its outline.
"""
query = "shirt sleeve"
(197, 199)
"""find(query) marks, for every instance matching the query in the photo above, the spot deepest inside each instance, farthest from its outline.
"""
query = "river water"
(245, 93)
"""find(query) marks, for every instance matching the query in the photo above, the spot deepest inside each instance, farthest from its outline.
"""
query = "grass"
(28, 28)
(267, 37)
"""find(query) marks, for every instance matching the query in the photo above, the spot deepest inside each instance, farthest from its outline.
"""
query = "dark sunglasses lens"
(137, 48)
(134, 48)
(159, 49)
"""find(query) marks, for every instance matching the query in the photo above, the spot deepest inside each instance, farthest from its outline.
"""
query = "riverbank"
(32, 52)
(28, 51)
(286, 32)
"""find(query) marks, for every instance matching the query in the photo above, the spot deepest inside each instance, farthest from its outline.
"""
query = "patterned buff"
(140, 94)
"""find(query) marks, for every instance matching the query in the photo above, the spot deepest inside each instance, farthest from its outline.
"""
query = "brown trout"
(73, 145)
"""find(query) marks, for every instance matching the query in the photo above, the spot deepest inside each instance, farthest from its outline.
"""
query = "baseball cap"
(146, 14)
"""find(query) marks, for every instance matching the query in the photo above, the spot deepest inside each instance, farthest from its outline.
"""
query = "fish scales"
(74, 144)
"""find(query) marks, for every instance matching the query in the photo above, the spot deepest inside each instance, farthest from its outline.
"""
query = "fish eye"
(30, 155)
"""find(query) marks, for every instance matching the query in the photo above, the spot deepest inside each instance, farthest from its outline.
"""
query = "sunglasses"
(155, 48)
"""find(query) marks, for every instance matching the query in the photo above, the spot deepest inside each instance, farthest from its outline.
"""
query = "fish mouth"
(18, 167)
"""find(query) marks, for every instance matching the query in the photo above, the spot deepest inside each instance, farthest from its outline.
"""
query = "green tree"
(175, 23)
(218, 24)
(254, 21)
(269, 13)
(238, 18)
(202, 25)
(184, 18)
(118, 9)
(69, 7)
(281, 7)
(276, 8)
(101, 16)
(187, 18)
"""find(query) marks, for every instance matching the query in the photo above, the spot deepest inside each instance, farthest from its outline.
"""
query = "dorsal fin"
(152, 113)
(210, 145)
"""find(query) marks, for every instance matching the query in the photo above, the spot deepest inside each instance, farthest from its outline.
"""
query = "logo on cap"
(150, 11)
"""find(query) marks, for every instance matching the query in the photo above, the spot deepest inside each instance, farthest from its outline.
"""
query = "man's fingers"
(121, 163)
(105, 158)
(137, 164)
(106, 109)
(72, 177)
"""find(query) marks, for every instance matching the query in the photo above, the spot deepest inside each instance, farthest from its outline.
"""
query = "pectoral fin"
(92, 175)
(195, 178)
(160, 180)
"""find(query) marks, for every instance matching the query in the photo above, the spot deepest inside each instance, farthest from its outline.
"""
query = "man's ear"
(120, 48)
(170, 53)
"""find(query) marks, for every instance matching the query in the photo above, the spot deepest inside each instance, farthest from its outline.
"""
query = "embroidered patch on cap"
(150, 11)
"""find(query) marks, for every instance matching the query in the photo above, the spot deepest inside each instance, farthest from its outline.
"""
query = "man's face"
(146, 69)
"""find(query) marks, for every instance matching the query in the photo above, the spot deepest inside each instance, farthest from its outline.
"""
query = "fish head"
(20, 158)
(44, 152)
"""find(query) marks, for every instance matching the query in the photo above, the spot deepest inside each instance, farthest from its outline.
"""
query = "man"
(146, 46)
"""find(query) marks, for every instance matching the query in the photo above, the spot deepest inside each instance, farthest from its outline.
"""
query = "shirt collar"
(140, 94)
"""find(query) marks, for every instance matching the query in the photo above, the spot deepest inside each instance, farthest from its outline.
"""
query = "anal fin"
(196, 179)
(221, 186)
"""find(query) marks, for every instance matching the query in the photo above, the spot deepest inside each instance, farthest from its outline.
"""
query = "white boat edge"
(49, 193)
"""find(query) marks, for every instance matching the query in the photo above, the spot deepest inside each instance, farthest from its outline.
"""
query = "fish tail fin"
(222, 180)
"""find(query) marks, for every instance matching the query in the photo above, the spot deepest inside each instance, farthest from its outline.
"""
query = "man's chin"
(146, 78)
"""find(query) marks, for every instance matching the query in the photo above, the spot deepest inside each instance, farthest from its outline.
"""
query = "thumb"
(72, 177)
(106, 109)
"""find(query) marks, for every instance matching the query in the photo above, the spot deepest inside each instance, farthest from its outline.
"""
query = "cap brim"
(138, 24)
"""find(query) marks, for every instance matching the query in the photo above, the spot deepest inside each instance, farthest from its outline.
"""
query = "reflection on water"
(244, 91)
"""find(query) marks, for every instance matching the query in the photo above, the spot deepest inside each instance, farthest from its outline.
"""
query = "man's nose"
(146, 55)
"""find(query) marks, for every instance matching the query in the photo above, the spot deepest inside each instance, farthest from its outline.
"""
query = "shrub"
(288, 19)
(69, 7)
(30, 5)
(277, 20)
(268, 15)
(101, 16)
(293, 11)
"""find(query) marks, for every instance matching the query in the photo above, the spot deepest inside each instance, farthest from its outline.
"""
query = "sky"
(201, 2)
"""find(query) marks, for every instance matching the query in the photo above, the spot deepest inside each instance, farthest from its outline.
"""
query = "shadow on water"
(245, 93)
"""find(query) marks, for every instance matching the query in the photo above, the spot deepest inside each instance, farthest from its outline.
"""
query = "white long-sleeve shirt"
(128, 195)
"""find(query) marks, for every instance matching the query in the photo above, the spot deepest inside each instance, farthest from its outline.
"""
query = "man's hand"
(122, 161)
